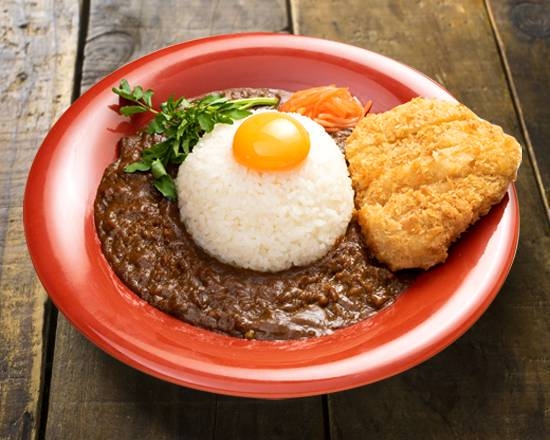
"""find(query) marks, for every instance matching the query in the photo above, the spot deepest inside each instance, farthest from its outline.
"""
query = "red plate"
(58, 215)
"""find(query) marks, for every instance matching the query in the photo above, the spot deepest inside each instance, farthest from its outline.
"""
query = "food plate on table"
(438, 306)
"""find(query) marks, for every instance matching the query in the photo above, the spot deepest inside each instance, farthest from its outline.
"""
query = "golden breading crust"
(422, 173)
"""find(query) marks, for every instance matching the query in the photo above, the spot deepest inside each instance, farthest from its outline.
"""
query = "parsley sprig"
(182, 123)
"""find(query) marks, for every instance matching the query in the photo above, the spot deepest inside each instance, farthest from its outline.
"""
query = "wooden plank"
(255, 419)
(522, 30)
(125, 30)
(95, 396)
(494, 382)
(37, 54)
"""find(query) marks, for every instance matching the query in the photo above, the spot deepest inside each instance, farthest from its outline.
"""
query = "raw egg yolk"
(270, 141)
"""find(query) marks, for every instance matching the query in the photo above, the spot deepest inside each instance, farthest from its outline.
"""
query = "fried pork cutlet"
(422, 173)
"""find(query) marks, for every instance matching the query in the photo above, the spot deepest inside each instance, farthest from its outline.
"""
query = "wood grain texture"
(37, 55)
(494, 382)
(523, 33)
(124, 30)
(95, 396)
(274, 420)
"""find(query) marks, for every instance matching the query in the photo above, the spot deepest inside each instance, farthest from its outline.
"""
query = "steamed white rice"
(265, 221)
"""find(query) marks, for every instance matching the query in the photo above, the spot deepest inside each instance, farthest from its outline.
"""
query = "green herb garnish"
(181, 122)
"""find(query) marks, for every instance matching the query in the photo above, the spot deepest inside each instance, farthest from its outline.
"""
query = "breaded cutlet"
(422, 173)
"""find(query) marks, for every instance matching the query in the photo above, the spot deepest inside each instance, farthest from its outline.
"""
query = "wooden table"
(494, 382)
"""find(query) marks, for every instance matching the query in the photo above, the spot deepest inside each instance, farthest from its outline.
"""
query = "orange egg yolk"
(270, 141)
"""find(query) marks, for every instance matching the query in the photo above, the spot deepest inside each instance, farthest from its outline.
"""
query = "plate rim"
(286, 388)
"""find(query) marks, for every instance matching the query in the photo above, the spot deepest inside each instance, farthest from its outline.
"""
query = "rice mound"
(265, 221)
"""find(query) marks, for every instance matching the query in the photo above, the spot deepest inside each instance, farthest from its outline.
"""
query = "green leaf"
(125, 87)
(223, 107)
(176, 148)
(209, 99)
(165, 107)
(222, 119)
(166, 186)
(155, 127)
(137, 166)
(181, 102)
(137, 93)
(178, 158)
(237, 114)
(170, 130)
(220, 102)
(129, 110)
(156, 151)
(181, 128)
(122, 94)
(170, 106)
(205, 121)
(257, 101)
(148, 97)
(157, 169)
